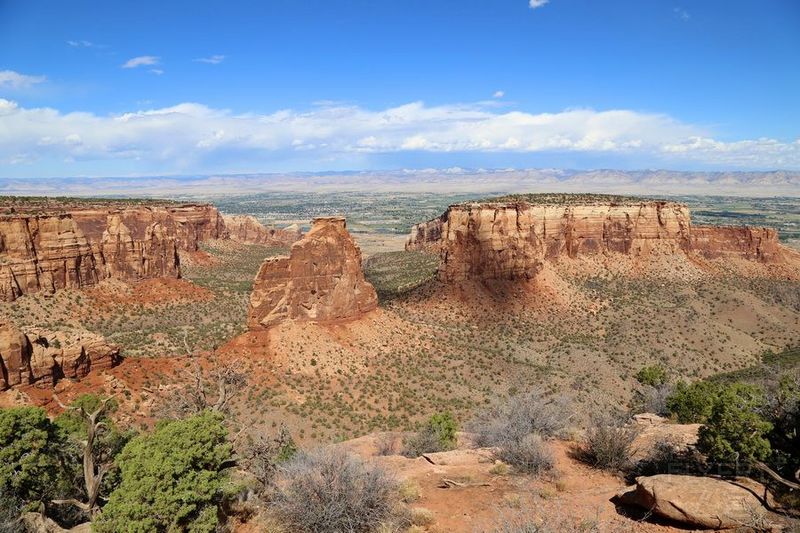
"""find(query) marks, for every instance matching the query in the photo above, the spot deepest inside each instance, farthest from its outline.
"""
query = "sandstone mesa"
(507, 240)
(47, 248)
(320, 280)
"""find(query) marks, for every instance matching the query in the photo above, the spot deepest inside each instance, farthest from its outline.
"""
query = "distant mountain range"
(452, 180)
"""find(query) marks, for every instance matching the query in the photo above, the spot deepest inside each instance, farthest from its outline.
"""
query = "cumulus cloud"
(14, 80)
(141, 61)
(681, 13)
(216, 59)
(499, 94)
(537, 3)
(188, 133)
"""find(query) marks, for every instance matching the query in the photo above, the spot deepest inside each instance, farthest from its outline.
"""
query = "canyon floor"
(583, 327)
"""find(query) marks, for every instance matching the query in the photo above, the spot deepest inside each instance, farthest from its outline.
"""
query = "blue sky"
(127, 88)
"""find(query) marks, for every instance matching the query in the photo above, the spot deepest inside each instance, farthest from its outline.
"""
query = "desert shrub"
(609, 443)
(667, 457)
(520, 415)
(652, 399)
(28, 447)
(331, 490)
(735, 430)
(782, 409)
(262, 456)
(437, 434)
(653, 375)
(171, 478)
(530, 454)
(10, 509)
(691, 404)
(387, 444)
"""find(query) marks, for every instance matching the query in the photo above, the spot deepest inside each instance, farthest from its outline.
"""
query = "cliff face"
(38, 358)
(247, 229)
(321, 280)
(512, 240)
(79, 248)
(757, 244)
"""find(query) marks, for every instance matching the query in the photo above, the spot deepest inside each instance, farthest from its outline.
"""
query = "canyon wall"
(320, 280)
(247, 229)
(51, 249)
(756, 244)
(511, 240)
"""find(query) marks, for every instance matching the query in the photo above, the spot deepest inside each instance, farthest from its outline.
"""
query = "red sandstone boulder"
(703, 502)
(321, 280)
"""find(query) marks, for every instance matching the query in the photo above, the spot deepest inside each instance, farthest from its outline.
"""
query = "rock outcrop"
(247, 229)
(696, 501)
(505, 240)
(756, 244)
(49, 249)
(45, 357)
(320, 280)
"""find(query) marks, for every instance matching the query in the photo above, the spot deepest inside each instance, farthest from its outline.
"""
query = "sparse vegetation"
(330, 490)
(609, 443)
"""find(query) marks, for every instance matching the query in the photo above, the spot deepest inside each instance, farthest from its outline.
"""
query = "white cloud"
(14, 80)
(187, 134)
(156, 71)
(81, 44)
(141, 61)
(216, 59)
(681, 13)
(499, 94)
(537, 3)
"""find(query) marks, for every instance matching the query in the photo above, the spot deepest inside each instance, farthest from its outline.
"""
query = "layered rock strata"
(44, 357)
(320, 280)
(511, 240)
(247, 229)
(46, 249)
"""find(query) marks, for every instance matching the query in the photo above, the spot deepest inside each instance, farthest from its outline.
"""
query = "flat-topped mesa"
(46, 248)
(247, 229)
(320, 280)
(511, 237)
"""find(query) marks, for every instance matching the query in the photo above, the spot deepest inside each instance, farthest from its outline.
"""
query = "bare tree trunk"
(92, 474)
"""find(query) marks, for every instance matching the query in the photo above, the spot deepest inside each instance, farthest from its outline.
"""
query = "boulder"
(702, 502)
(321, 280)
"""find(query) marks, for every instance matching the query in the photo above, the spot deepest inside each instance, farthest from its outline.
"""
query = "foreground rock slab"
(321, 280)
(696, 501)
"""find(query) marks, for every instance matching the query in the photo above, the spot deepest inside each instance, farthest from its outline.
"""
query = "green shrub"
(437, 435)
(653, 375)
(735, 431)
(171, 478)
(28, 465)
(692, 404)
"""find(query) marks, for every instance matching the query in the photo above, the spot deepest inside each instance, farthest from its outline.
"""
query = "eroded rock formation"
(511, 240)
(45, 357)
(247, 229)
(46, 249)
(320, 280)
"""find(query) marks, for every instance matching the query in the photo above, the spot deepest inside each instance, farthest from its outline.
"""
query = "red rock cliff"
(37, 358)
(247, 229)
(321, 280)
(511, 240)
(54, 249)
